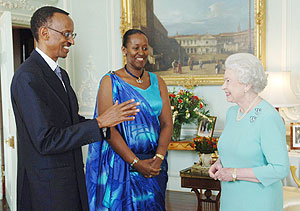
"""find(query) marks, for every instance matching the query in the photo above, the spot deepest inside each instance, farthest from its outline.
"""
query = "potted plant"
(206, 146)
(186, 108)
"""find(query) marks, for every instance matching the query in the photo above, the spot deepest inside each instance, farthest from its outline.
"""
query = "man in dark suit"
(50, 130)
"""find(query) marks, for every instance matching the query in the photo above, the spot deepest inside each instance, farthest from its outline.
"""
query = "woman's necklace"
(238, 117)
(138, 79)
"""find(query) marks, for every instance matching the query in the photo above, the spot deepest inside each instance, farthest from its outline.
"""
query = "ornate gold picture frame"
(140, 14)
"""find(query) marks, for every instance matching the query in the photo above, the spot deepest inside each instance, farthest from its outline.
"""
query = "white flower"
(187, 115)
(172, 108)
(174, 116)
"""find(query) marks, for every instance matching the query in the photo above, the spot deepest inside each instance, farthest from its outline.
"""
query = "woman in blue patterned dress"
(253, 153)
(128, 171)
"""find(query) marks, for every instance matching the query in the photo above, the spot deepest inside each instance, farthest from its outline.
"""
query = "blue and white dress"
(111, 183)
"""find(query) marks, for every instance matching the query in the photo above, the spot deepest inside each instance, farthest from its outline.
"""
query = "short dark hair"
(41, 16)
(131, 32)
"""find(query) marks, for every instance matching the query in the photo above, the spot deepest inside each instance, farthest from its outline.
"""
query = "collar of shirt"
(52, 64)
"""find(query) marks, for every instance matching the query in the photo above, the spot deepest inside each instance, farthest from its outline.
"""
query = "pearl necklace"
(238, 117)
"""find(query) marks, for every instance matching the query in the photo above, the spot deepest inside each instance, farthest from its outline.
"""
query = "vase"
(205, 159)
(176, 132)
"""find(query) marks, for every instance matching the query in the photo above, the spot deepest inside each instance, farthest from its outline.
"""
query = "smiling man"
(50, 130)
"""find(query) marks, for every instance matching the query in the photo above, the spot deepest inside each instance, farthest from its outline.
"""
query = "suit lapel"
(73, 105)
(52, 79)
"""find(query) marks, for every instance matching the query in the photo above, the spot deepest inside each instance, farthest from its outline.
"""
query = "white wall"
(282, 45)
(96, 51)
(97, 47)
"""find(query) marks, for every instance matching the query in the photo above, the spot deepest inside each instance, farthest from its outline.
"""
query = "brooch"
(252, 119)
(257, 110)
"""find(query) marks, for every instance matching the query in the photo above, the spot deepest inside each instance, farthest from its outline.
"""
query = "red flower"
(181, 92)
(209, 142)
(215, 146)
(196, 97)
(172, 95)
(193, 145)
(180, 101)
(201, 105)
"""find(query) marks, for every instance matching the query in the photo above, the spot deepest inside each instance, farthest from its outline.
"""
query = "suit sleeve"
(273, 144)
(82, 118)
(45, 125)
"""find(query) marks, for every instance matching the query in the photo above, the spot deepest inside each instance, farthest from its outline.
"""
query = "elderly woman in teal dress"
(253, 154)
(128, 171)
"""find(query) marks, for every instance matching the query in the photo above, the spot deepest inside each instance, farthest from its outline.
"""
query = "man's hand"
(118, 113)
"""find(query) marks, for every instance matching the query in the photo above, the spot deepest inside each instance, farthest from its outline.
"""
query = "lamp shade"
(278, 92)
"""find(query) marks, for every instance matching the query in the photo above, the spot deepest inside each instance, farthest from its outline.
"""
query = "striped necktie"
(58, 73)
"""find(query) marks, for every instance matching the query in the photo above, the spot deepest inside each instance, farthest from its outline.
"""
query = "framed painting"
(295, 135)
(206, 126)
(189, 42)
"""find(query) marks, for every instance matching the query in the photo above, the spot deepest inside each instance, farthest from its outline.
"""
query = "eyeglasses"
(67, 35)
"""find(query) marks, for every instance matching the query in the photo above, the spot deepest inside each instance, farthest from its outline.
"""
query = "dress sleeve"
(273, 145)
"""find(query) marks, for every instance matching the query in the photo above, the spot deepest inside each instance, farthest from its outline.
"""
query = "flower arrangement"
(186, 108)
(205, 145)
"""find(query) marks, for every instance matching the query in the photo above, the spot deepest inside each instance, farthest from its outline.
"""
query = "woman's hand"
(215, 168)
(148, 167)
(156, 162)
(224, 174)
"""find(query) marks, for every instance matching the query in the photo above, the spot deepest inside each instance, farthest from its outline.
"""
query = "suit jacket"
(50, 135)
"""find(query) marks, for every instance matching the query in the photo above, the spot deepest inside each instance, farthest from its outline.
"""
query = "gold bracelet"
(160, 156)
(135, 160)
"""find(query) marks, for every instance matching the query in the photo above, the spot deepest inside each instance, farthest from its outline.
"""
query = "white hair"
(249, 70)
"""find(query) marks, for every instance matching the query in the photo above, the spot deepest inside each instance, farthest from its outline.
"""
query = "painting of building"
(186, 52)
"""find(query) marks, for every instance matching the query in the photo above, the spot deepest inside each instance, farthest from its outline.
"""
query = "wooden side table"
(196, 181)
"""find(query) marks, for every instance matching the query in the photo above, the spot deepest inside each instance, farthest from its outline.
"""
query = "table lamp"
(278, 92)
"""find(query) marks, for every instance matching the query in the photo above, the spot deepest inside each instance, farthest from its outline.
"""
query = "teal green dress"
(257, 141)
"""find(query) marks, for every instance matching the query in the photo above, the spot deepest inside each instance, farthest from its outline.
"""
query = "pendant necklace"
(238, 117)
(138, 79)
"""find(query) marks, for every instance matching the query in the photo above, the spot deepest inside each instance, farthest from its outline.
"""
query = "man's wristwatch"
(234, 175)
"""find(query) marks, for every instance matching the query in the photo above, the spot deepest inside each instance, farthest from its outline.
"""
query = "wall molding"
(291, 114)
(22, 10)
(25, 5)
(87, 92)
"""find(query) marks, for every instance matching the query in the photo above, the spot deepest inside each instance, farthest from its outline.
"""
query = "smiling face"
(56, 45)
(136, 51)
(234, 90)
